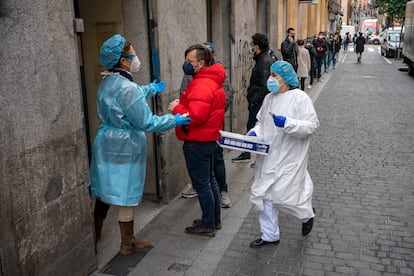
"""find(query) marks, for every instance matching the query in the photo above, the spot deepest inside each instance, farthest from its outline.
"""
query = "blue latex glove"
(159, 87)
(279, 120)
(179, 121)
(252, 133)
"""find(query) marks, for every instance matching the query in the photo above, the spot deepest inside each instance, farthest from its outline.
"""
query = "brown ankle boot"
(128, 242)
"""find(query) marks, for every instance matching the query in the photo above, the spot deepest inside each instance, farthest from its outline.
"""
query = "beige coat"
(304, 62)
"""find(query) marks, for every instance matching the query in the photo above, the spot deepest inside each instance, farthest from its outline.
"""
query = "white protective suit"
(282, 175)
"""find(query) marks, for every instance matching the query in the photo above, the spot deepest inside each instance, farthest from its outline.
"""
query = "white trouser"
(269, 221)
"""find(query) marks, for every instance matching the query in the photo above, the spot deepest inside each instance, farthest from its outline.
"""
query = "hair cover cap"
(210, 46)
(286, 72)
(111, 51)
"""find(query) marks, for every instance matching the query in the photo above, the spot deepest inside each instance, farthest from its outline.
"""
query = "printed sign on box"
(243, 143)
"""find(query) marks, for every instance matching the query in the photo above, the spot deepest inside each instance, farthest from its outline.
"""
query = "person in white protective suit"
(286, 121)
(119, 151)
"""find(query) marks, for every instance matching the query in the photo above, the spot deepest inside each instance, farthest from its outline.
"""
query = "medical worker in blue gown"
(286, 120)
(119, 151)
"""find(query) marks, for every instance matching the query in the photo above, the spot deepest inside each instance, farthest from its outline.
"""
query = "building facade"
(50, 74)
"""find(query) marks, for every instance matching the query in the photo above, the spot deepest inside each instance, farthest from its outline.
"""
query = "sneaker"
(199, 230)
(189, 192)
(225, 200)
(243, 157)
(309, 86)
(198, 222)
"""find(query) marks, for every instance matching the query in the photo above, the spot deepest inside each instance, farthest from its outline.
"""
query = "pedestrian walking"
(219, 165)
(359, 46)
(304, 63)
(286, 120)
(257, 89)
(204, 100)
(119, 151)
(347, 40)
(290, 49)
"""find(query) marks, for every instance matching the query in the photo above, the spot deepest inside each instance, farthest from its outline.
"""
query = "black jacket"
(290, 52)
(359, 44)
(260, 73)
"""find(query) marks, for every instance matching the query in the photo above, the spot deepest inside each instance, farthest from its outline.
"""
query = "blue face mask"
(188, 68)
(273, 85)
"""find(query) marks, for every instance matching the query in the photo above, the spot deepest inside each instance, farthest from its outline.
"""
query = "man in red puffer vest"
(204, 101)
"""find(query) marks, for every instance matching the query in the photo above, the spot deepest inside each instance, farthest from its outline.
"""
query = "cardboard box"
(243, 143)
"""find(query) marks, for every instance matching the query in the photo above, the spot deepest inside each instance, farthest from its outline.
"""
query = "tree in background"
(393, 9)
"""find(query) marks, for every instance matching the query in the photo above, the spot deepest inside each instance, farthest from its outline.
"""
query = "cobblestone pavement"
(362, 165)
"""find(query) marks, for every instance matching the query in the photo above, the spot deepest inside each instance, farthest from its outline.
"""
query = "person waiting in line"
(119, 150)
(257, 89)
(286, 121)
(338, 39)
(321, 47)
(312, 54)
(219, 166)
(289, 49)
(304, 63)
(204, 100)
(334, 46)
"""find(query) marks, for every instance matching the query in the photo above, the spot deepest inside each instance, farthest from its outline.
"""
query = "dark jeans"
(199, 158)
(302, 84)
(312, 73)
(253, 110)
(332, 57)
(325, 60)
(220, 169)
(318, 65)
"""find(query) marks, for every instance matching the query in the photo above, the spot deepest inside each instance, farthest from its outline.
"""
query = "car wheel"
(376, 42)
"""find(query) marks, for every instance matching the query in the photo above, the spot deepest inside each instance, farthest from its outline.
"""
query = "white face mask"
(135, 64)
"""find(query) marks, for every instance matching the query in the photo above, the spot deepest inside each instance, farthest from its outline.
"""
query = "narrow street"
(362, 165)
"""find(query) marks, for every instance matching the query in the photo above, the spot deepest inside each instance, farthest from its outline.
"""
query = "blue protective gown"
(119, 151)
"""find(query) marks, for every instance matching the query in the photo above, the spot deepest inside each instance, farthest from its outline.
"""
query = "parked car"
(376, 39)
(392, 43)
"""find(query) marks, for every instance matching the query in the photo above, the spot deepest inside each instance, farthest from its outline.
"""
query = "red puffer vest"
(204, 100)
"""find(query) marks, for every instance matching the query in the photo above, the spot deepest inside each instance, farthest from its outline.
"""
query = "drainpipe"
(155, 74)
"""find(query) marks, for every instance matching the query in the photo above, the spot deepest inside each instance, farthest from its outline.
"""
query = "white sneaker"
(225, 200)
(309, 86)
(189, 192)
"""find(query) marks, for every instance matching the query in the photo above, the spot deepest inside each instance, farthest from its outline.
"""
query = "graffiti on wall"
(243, 64)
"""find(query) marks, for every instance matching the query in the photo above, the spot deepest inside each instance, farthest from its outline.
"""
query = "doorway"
(102, 19)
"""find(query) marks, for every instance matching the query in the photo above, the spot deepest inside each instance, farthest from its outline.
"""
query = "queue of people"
(281, 180)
